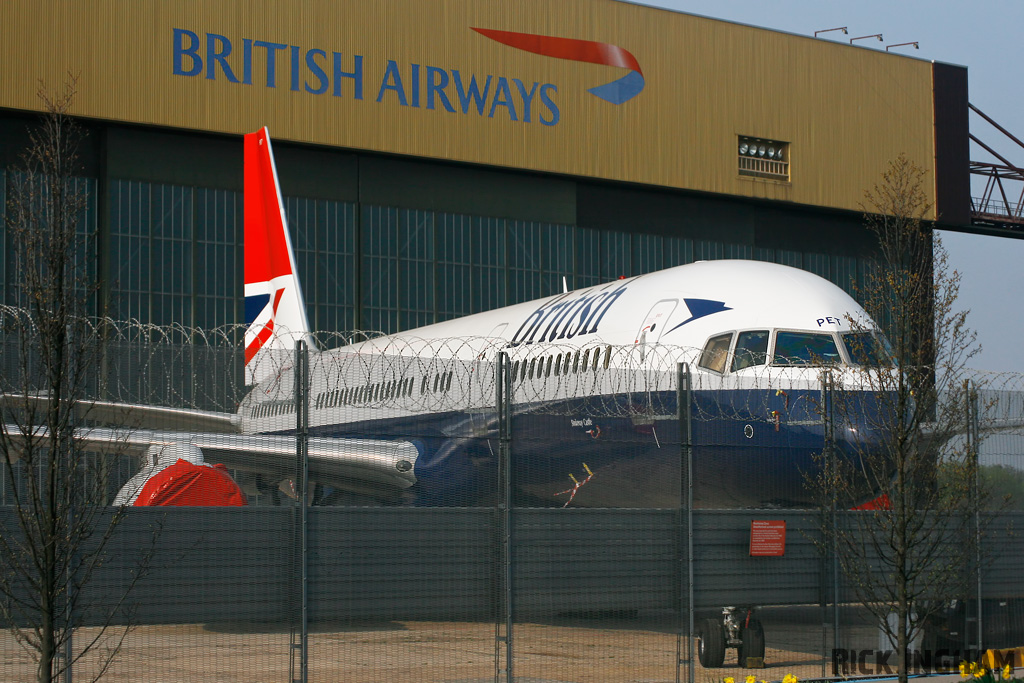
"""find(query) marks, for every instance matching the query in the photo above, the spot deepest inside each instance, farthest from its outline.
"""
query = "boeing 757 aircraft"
(409, 418)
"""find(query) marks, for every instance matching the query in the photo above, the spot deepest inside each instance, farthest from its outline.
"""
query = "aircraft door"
(656, 322)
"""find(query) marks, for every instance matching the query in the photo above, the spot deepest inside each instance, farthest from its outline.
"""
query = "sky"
(984, 36)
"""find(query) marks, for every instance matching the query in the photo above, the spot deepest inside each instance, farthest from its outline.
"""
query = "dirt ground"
(400, 652)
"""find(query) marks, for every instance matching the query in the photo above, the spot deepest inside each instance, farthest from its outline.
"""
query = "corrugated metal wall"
(844, 110)
(231, 565)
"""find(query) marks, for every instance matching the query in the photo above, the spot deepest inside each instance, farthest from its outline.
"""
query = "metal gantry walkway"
(1001, 204)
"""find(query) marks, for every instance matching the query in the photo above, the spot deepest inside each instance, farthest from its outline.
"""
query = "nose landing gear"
(737, 628)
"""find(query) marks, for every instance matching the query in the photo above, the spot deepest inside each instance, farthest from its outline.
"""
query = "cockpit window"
(716, 353)
(751, 349)
(866, 348)
(804, 348)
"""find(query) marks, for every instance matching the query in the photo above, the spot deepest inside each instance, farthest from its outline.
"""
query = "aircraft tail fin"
(275, 313)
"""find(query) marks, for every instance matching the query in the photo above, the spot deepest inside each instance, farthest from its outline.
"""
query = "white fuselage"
(664, 317)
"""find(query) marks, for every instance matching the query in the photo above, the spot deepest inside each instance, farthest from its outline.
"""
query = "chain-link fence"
(462, 510)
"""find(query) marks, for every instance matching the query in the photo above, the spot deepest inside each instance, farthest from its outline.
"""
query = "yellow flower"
(729, 679)
(751, 679)
(980, 672)
(963, 670)
(790, 678)
(1007, 672)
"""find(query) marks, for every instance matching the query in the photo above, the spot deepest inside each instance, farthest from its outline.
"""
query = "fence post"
(828, 416)
(973, 435)
(684, 407)
(69, 478)
(503, 627)
(300, 641)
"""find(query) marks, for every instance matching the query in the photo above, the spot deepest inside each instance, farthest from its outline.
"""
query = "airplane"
(410, 418)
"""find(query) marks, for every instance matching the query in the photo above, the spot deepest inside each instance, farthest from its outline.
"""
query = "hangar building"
(442, 157)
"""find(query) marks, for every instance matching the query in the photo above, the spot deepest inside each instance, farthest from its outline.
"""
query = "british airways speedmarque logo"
(590, 51)
(700, 308)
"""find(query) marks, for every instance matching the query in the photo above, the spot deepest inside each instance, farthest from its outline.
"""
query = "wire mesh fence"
(466, 510)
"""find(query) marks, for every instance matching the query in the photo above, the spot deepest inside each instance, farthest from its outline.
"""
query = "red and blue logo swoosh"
(618, 91)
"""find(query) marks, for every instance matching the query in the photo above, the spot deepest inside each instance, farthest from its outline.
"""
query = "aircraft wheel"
(710, 644)
(752, 643)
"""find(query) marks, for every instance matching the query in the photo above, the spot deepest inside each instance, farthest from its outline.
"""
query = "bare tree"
(909, 545)
(56, 534)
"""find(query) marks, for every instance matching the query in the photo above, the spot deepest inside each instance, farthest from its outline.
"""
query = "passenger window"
(804, 348)
(716, 352)
(751, 349)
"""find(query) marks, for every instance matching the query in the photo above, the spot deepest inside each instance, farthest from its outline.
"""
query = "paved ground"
(400, 652)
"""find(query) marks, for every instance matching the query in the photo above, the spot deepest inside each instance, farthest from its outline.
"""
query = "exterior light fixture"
(914, 43)
(826, 30)
(873, 35)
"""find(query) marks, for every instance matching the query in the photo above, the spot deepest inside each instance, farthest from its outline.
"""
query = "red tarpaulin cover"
(880, 503)
(186, 484)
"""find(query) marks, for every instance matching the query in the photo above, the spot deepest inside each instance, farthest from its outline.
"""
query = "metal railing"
(763, 168)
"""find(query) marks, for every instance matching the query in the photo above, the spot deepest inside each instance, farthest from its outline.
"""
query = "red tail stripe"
(252, 349)
(265, 333)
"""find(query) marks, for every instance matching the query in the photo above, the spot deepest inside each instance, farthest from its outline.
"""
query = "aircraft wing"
(987, 427)
(136, 415)
(1002, 425)
(365, 465)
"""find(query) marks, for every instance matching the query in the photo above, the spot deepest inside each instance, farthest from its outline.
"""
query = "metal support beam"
(684, 408)
(995, 208)
(300, 639)
(503, 651)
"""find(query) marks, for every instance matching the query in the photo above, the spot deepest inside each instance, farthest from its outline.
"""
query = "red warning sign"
(767, 538)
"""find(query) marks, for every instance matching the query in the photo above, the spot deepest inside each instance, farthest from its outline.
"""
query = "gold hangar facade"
(443, 157)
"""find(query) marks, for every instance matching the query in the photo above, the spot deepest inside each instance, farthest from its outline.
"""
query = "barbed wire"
(362, 371)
